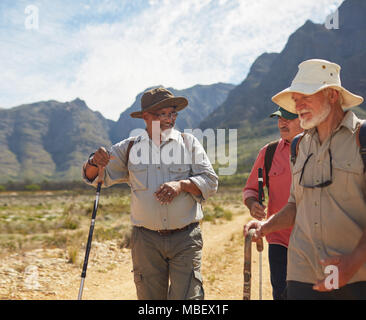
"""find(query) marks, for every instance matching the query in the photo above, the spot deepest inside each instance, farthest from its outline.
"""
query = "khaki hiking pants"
(167, 266)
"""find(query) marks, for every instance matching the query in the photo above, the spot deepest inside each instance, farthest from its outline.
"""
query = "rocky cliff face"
(250, 103)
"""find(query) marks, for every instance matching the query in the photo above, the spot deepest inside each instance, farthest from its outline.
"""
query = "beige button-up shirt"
(149, 166)
(330, 220)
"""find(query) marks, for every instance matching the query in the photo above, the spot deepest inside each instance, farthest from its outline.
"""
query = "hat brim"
(286, 115)
(179, 102)
(285, 101)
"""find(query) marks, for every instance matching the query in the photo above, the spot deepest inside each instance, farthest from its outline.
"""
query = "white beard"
(316, 119)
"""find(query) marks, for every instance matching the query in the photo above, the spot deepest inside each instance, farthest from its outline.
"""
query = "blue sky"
(107, 51)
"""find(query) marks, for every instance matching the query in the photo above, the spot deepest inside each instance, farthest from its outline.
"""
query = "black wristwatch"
(90, 162)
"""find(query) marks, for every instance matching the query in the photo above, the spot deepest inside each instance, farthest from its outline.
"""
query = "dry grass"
(30, 220)
(61, 219)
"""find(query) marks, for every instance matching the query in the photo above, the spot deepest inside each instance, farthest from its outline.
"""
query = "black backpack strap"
(268, 158)
(361, 140)
(130, 145)
(188, 146)
(295, 147)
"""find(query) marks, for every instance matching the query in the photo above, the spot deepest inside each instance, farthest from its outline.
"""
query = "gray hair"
(340, 97)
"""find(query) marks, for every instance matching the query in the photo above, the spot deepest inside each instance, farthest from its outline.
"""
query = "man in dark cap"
(170, 175)
(274, 159)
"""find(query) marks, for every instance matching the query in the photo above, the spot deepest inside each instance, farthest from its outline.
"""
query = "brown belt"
(167, 232)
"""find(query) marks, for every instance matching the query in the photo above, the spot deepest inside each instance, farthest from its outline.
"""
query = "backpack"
(360, 139)
(268, 158)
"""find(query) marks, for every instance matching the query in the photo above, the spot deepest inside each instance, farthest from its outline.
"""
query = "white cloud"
(169, 42)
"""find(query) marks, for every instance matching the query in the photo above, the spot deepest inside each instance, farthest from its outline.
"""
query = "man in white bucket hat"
(327, 203)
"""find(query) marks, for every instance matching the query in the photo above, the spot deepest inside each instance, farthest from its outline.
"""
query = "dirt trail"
(109, 274)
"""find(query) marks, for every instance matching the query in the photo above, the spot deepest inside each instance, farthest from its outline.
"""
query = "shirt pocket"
(347, 176)
(275, 172)
(179, 172)
(138, 176)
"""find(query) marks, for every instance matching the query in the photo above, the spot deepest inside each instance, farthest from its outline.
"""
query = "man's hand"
(346, 267)
(168, 191)
(257, 226)
(257, 211)
(255, 208)
(101, 157)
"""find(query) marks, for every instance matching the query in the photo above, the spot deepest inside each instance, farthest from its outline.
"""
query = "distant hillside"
(248, 105)
(50, 140)
(203, 100)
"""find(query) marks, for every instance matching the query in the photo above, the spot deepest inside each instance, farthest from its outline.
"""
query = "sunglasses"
(320, 185)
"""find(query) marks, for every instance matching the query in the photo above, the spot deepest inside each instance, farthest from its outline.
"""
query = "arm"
(100, 158)
(201, 184)
(347, 265)
(189, 186)
(114, 163)
(203, 175)
(169, 190)
(284, 219)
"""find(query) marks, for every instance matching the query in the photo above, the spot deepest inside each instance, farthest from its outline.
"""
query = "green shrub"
(32, 187)
(102, 234)
(70, 223)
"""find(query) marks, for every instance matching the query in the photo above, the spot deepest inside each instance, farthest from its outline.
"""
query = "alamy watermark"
(332, 21)
(31, 21)
(221, 148)
(332, 280)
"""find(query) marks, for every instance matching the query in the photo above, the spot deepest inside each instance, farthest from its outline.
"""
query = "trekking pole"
(91, 229)
(248, 262)
(260, 199)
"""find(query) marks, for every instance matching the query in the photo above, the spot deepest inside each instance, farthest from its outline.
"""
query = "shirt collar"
(282, 144)
(169, 134)
(349, 121)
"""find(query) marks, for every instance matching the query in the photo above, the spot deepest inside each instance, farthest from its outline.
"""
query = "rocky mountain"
(203, 100)
(249, 104)
(50, 140)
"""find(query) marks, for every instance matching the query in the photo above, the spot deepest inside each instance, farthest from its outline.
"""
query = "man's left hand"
(346, 267)
(168, 191)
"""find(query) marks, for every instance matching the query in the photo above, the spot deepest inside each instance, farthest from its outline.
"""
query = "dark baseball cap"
(284, 114)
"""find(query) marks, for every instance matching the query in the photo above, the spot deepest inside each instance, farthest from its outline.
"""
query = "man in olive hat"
(274, 158)
(170, 175)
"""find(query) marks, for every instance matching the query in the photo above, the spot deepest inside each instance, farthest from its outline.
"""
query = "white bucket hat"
(313, 76)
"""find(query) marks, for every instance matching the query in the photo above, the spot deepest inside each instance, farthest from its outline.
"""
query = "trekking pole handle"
(248, 263)
(260, 186)
(100, 174)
